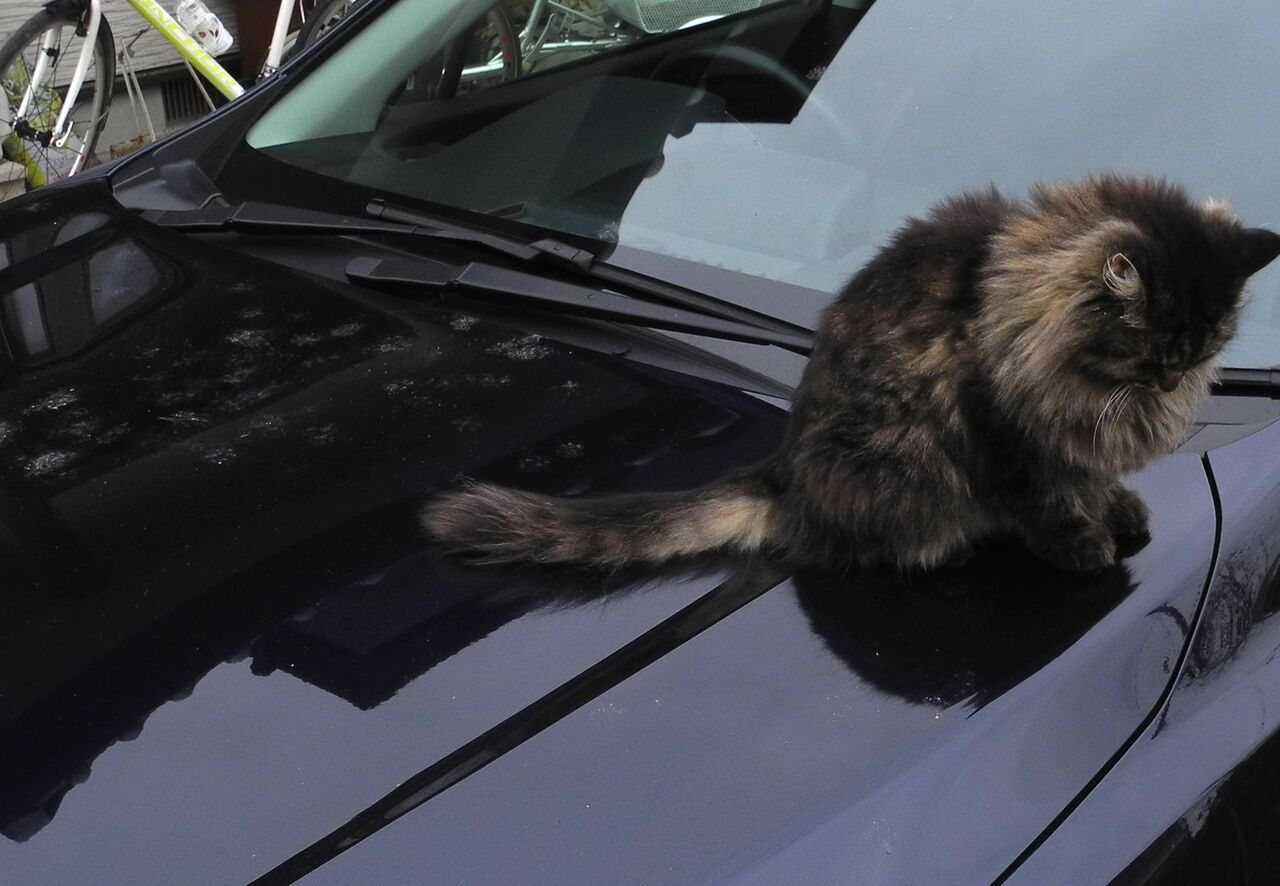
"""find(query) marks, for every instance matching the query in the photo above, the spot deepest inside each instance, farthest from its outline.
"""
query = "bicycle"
(54, 118)
(58, 72)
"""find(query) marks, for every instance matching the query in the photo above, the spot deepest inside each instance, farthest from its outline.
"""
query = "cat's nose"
(1169, 379)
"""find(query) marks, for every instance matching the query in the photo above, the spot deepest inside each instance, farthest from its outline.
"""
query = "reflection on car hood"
(225, 635)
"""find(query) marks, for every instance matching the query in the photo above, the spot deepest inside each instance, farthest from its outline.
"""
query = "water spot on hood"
(168, 398)
(466, 424)
(346, 330)
(568, 387)
(53, 460)
(248, 313)
(55, 401)
(255, 339)
(82, 430)
(245, 399)
(239, 376)
(527, 347)
(323, 435)
(268, 426)
(7, 430)
(185, 419)
(569, 450)
(399, 386)
(486, 379)
(534, 463)
(390, 345)
(462, 322)
(112, 434)
(306, 338)
(219, 455)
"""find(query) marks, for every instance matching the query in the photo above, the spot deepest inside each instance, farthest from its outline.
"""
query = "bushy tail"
(508, 525)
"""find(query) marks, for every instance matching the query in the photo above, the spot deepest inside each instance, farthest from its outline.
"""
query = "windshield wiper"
(585, 263)
(252, 216)
(1248, 382)
(535, 292)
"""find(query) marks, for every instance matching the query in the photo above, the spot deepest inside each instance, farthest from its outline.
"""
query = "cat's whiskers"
(1126, 398)
(1112, 399)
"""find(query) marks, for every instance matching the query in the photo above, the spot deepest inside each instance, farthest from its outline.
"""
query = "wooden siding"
(150, 51)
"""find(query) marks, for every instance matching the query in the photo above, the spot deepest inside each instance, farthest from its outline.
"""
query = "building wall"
(150, 51)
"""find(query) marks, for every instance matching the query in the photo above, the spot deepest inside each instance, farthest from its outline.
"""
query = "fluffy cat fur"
(994, 369)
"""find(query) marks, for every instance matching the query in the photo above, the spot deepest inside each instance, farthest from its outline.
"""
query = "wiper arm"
(255, 216)
(585, 263)
(532, 291)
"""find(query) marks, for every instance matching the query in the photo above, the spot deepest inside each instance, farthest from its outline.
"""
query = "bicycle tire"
(498, 31)
(42, 164)
(323, 16)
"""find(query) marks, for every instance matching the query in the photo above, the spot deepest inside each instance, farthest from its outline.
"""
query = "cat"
(992, 370)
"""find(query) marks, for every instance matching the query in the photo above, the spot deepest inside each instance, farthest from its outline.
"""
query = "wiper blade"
(1255, 382)
(532, 291)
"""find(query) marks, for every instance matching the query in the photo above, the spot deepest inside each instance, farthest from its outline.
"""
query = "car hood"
(226, 637)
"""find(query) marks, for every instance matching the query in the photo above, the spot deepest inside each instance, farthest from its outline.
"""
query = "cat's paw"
(1091, 551)
(1129, 520)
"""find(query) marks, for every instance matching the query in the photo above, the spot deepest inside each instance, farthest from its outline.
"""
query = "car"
(236, 364)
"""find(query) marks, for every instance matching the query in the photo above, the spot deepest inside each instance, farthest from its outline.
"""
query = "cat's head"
(1108, 303)
(1167, 276)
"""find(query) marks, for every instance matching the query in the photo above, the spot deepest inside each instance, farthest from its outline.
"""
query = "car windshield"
(786, 140)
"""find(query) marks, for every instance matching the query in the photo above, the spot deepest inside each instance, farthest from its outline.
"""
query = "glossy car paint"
(835, 726)
(227, 623)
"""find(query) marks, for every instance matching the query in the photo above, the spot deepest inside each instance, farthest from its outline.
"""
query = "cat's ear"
(1255, 248)
(1121, 276)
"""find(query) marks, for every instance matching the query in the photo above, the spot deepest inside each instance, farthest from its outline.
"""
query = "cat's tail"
(507, 525)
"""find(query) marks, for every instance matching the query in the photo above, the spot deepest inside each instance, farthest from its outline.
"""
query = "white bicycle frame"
(193, 54)
(62, 128)
(532, 45)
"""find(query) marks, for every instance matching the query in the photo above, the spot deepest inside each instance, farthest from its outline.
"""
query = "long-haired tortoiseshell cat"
(994, 369)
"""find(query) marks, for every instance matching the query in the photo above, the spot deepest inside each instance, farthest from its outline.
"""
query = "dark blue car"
(233, 366)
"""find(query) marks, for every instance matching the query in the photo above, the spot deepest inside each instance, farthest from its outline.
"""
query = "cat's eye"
(1105, 303)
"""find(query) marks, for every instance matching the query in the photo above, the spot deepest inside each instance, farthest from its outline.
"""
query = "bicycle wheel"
(29, 141)
(324, 15)
(488, 54)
